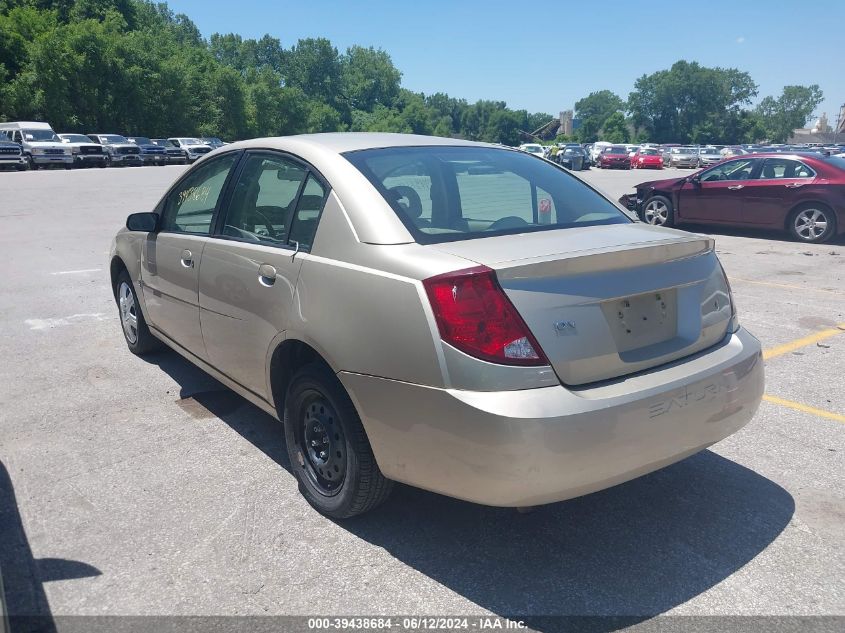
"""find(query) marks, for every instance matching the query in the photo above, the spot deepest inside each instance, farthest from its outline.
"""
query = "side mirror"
(144, 222)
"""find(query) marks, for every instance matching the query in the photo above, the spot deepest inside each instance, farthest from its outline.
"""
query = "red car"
(615, 156)
(647, 158)
(800, 193)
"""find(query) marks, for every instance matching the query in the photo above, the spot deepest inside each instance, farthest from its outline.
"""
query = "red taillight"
(474, 315)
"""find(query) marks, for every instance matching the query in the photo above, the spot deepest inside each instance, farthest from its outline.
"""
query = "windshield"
(456, 193)
(142, 140)
(113, 138)
(683, 150)
(190, 141)
(648, 152)
(75, 138)
(532, 148)
(41, 135)
(708, 150)
(616, 150)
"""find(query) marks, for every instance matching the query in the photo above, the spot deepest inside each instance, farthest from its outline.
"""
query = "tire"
(139, 340)
(328, 448)
(805, 223)
(658, 211)
(108, 161)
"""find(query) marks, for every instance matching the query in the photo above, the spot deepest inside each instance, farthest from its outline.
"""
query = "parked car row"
(799, 192)
(32, 145)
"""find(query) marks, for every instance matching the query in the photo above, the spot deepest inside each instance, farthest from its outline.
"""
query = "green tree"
(314, 66)
(779, 117)
(672, 104)
(505, 126)
(593, 110)
(369, 78)
(615, 129)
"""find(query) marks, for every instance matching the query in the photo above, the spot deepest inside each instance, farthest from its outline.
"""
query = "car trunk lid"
(607, 301)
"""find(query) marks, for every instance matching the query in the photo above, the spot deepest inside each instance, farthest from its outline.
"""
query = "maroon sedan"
(800, 193)
(615, 156)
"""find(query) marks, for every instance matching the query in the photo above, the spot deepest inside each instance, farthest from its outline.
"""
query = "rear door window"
(777, 168)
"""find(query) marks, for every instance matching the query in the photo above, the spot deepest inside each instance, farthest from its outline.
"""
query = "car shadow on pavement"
(23, 576)
(202, 395)
(614, 557)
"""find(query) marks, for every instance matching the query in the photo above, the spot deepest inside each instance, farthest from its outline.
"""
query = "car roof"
(783, 155)
(341, 142)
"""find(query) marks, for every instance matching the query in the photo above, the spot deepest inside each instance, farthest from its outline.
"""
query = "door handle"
(187, 259)
(266, 275)
(736, 187)
(794, 185)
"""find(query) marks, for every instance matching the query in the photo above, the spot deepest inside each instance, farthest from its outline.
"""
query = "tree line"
(690, 103)
(138, 68)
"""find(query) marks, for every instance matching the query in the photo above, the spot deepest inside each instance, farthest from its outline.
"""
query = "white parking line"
(47, 324)
(78, 272)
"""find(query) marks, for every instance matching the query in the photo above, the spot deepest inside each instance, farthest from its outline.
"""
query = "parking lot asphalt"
(132, 486)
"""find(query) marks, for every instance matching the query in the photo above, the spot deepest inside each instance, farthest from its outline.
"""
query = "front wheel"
(138, 337)
(812, 223)
(329, 451)
(658, 211)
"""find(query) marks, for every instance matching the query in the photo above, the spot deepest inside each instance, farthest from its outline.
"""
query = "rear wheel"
(329, 451)
(812, 223)
(658, 211)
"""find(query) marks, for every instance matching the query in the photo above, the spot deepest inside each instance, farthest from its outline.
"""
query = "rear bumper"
(520, 448)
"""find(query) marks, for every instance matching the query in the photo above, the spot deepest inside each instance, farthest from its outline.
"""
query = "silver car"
(709, 156)
(681, 157)
(461, 317)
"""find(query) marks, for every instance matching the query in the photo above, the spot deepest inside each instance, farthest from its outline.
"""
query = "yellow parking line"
(804, 408)
(780, 350)
(788, 286)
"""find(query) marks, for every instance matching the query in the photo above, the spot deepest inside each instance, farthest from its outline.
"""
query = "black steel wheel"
(329, 451)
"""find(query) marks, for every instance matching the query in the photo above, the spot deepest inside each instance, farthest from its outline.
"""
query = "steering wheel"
(507, 222)
(266, 222)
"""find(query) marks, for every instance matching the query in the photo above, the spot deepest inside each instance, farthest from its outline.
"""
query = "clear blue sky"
(543, 56)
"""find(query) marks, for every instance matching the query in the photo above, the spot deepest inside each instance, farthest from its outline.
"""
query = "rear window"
(455, 193)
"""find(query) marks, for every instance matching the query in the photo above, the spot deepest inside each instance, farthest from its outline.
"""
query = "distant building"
(822, 131)
(566, 122)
